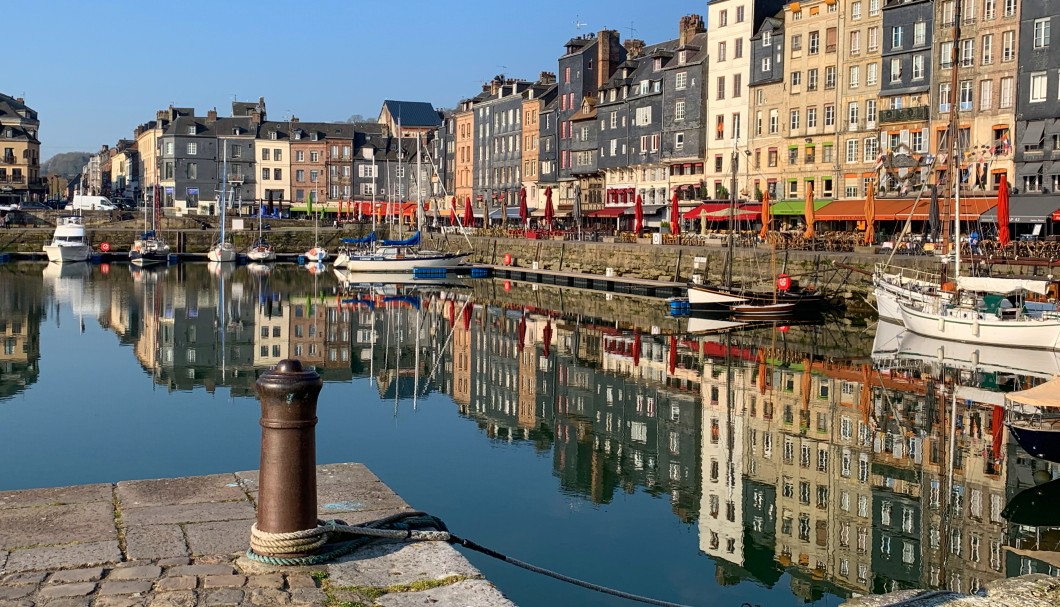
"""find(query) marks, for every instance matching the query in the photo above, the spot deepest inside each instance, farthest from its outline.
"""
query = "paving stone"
(173, 599)
(53, 496)
(224, 581)
(142, 572)
(11, 593)
(28, 577)
(188, 513)
(54, 592)
(308, 596)
(72, 576)
(187, 490)
(268, 580)
(22, 603)
(174, 561)
(467, 593)
(3, 559)
(387, 564)
(223, 597)
(268, 596)
(70, 601)
(119, 601)
(109, 588)
(201, 570)
(169, 584)
(219, 538)
(301, 580)
(51, 525)
(52, 558)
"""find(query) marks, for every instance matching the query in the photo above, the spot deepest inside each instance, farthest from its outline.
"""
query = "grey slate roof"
(413, 113)
(10, 108)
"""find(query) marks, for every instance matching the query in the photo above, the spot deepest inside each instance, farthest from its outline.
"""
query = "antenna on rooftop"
(578, 23)
(631, 30)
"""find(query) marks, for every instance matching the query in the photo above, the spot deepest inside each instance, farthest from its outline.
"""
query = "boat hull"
(378, 263)
(771, 310)
(1040, 333)
(1043, 443)
(316, 254)
(221, 253)
(67, 253)
(261, 255)
(703, 298)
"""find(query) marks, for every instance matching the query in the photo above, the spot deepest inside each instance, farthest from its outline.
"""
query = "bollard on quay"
(287, 485)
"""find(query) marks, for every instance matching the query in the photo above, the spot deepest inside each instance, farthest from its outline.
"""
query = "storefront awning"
(1033, 133)
(649, 209)
(971, 208)
(607, 212)
(854, 210)
(1027, 209)
(794, 207)
(706, 207)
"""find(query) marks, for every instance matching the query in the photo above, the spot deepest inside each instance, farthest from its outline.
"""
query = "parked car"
(35, 206)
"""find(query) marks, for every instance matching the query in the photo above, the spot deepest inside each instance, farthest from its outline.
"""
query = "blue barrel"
(96, 258)
(480, 272)
(173, 258)
(301, 260)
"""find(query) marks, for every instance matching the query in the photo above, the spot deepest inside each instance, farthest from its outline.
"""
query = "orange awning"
(971, 208)
(854, 210)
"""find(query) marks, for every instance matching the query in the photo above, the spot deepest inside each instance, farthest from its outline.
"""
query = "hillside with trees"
(67, 164)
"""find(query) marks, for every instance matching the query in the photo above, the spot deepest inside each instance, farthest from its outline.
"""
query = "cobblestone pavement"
(1035, 590)
(181, 543)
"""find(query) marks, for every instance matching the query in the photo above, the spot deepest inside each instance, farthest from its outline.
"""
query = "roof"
(12, 108)
(412, 113)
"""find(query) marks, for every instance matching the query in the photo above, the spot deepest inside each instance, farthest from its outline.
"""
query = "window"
(852, 150)
(767, 38)
(796, 79)
(721, 88)
(277, 174)
(852, 115)
(829, 77)
(1008, 45)
(870, 150)
(948, 8)
(265, 174)
(680, 82)
(774, 120)
(1008, 89)
(830, 38)
(946, 55)
(1010, 8)
(193, 148)
(988, 49)
(944, 97)
(1038, 86)
(766, 64)
(737, 85)
(855, 76)
(719, 127)
(918, 67)
(796, 15)
(737, 50)
(896, 70)
(870, 112)
(679, 141)
(811, 118)
(679, 109)
(794, 123)
(811, 79)
(855, 42)
(986, 94)
(919, 33)
(966, 95)
(874, 39)
(815, 43)
(829, 115)
(193, 170)
(299, 175)
(773, 157)
(855, 10)
(872, 73)
(721, 51)
(896, 37)
(265, 153)
(796, 43)
(723, 18)
(1041, 32)
(967, 57)
(739, 14)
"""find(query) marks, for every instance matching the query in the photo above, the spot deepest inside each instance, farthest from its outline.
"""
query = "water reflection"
(811, 460)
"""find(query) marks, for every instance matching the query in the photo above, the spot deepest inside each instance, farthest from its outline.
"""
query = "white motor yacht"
(69, 242)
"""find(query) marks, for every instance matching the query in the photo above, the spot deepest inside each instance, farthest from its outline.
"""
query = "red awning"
(971, 208)
(854, 210)
(608, 212)
(706, 207)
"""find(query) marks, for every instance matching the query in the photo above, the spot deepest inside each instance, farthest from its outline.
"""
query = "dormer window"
(235, 131)
(298, 135)
(313, 137)
(273, 135)
(682, 56)
(658, 63)
(767, 38)
(191, 130)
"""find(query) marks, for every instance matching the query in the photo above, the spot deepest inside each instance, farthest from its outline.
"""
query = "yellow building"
(272, 151)
(19, 150)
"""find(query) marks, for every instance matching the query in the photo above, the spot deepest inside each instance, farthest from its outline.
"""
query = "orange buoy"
(105, 247)
(507, 285)
(507, 259)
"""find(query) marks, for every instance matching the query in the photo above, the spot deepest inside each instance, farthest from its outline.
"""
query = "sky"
(93, 71)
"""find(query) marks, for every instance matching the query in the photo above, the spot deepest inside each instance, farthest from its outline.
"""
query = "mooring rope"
(335, 538)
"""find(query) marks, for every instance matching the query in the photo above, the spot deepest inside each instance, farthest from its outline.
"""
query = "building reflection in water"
(854, 461)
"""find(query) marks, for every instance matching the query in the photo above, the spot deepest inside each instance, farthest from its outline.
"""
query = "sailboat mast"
(224, 187)
(954, 164)
(419, 186)
(732, 214)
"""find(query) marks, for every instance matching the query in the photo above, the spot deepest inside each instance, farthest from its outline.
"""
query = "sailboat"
(223, 251)
(317, 254)
(150, 248)
(261, 250)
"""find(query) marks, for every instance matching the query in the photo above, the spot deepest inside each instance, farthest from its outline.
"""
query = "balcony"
(236, 178)
(12, 179)
(905, 114)
(7, 159)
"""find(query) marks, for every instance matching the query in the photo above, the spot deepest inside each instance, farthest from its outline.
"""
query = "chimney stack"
(547, 78)
(211, 116)
(690, 26)
(608, 57)
(634, 48)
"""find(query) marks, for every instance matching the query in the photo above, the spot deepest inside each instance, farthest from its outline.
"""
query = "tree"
(357, 118)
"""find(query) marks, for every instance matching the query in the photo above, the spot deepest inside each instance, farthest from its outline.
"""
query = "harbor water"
(672, 457)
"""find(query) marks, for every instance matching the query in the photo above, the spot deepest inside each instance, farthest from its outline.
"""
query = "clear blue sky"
(94, 70)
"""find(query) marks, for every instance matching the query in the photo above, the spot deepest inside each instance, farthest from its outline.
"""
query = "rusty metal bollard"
(287, 491)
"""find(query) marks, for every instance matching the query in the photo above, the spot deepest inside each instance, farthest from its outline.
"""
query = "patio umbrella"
(550, 213)
(1003, 235)
(703, 221)
(675, 216)
(767, 217)
(546, 336)
(577, 210)
(870, 215)
(673, 353)
(997, 426)
(636, 349)
(469, 215)
(934, 222)
(452, 212)
(524, 213)
(809, 212)
(638, 215)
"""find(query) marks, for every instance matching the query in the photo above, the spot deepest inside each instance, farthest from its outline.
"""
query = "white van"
(84, 202)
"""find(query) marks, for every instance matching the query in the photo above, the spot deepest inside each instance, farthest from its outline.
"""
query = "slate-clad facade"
(1037, 143)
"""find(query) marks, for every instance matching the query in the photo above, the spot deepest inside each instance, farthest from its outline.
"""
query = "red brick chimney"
(690, 26)
(634, 48)
(607, 56)
(211, 116)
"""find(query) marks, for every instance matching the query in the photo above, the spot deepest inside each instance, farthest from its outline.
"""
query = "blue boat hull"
(1043, 443)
